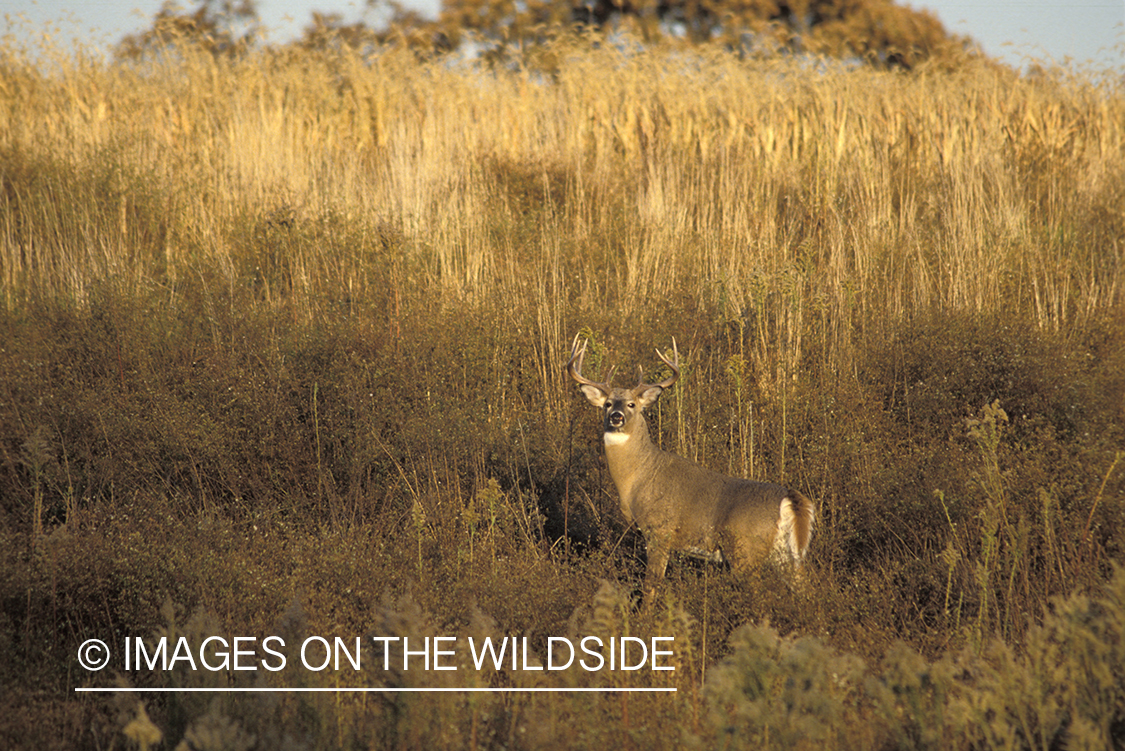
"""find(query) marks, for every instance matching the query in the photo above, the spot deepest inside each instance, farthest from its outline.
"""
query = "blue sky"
(1011, 30)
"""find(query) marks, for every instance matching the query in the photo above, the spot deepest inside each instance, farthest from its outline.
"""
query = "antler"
(674, 364)
(574, 367)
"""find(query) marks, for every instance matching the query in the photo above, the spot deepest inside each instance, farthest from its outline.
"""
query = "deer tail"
(801, 514)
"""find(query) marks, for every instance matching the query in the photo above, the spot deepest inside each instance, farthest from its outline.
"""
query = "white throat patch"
(616, 439)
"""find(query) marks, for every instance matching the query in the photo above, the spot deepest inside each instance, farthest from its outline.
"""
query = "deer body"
(680, 505)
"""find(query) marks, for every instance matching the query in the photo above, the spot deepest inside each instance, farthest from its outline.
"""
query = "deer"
(680, 505)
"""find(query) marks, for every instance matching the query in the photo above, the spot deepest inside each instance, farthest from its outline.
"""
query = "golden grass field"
(281, 352)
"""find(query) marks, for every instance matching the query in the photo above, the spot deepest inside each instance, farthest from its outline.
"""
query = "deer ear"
(596, 396)
(649, 395)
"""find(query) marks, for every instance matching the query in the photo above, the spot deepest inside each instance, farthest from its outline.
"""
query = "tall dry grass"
(291, 327)
(831, 196)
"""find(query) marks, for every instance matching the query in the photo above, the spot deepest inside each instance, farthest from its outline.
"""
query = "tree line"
(876, 32)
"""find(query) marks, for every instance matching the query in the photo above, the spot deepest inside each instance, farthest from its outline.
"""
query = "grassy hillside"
(281, 352)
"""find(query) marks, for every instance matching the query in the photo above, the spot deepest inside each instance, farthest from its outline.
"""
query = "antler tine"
(674, 364)
(574, 349)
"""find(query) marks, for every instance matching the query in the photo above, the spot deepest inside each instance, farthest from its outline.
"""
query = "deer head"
(622, 407)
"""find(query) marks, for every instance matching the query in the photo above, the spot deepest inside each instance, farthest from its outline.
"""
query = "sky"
(1014, 31)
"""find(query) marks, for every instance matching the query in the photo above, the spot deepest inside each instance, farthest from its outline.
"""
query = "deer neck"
(627, 453)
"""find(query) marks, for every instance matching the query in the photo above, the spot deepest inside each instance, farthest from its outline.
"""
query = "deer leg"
(657, 553)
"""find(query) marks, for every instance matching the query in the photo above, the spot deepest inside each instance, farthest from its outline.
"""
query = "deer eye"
(631, 405)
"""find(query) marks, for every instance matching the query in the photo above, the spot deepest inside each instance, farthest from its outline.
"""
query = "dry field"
(281, 353)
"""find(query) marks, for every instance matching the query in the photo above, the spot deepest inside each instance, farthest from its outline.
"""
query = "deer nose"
(616, 418)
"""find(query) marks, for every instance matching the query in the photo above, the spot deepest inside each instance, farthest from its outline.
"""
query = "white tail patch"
(616, 439)
(785, 545)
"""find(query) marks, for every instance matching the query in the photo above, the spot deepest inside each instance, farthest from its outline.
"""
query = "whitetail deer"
(679, 505)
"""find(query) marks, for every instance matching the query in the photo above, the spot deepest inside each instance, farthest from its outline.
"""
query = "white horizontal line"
(377, 690)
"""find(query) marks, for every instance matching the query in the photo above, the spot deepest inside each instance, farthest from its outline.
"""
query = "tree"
(330, 31)
(222, 27)
(875, 31)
